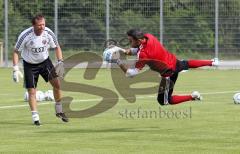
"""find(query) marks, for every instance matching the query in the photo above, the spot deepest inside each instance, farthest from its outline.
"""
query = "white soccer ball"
(49, 95)
(26, 96)
(40, 96)
(236, 98)
(111, 53)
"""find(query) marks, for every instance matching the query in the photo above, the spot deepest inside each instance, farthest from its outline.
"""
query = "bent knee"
(161, 101)
(164, 101)
(31, 92)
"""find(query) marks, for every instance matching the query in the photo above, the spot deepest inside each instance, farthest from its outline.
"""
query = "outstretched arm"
(112, 55)
(129, 72)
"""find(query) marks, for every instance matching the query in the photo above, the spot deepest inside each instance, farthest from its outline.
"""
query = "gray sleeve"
(134, 51)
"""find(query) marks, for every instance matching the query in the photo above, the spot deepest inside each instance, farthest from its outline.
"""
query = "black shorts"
(167, 83)
(32, 71)
(181, 65)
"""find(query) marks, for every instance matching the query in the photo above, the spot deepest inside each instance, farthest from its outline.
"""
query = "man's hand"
(60, 68)
(16, 73)
(131, 51)
(128, 52)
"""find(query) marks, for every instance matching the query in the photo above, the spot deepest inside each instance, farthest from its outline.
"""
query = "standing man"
(33, 44)
(151, 52)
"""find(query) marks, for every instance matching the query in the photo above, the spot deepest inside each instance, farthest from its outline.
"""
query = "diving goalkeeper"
(152, 53)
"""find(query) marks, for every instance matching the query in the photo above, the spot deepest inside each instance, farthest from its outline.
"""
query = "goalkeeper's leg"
(201, 63)
(33, 105)
(57, 96)
(50, 75)
(30, 81)
(165, 91)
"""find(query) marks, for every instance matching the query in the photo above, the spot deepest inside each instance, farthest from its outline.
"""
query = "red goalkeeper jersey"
(156, 57)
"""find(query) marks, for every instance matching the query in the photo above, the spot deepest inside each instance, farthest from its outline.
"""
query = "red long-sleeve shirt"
(156, 57)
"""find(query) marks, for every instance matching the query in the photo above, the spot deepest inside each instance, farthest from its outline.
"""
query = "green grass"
(213, 126)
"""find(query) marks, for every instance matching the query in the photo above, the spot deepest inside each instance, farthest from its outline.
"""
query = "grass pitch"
(211, 126)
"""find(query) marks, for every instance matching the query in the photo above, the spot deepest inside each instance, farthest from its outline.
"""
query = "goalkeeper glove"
(16, 73)
(60, 68)
(111, 54)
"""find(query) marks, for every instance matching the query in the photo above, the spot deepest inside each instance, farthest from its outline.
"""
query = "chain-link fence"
(186, 27)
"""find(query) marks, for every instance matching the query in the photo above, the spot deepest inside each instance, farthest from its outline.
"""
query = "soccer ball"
(40, 96)
(111, 53)
(49, 95)
(236, 98)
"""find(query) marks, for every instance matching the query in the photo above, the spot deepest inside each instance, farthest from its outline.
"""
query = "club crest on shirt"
(44, 41)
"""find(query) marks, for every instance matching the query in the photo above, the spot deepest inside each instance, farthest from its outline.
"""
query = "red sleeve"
(141, 62)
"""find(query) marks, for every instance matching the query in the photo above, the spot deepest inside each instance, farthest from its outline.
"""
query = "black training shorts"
(32, 71)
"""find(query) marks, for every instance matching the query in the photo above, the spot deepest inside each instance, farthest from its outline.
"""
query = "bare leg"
(33, 105)
(57, 96)
(32, 99)
(56, 89)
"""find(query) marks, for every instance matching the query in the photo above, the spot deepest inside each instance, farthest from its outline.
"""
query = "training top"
(156, 57)
(33, 48)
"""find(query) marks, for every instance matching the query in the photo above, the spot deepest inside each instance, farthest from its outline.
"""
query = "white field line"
(98, 99)
(23, 105)
(8, 95)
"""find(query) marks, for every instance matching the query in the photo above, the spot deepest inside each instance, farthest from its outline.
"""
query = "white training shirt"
(33, 48)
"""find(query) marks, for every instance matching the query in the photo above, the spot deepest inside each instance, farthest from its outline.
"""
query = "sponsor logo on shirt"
(37, 50)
